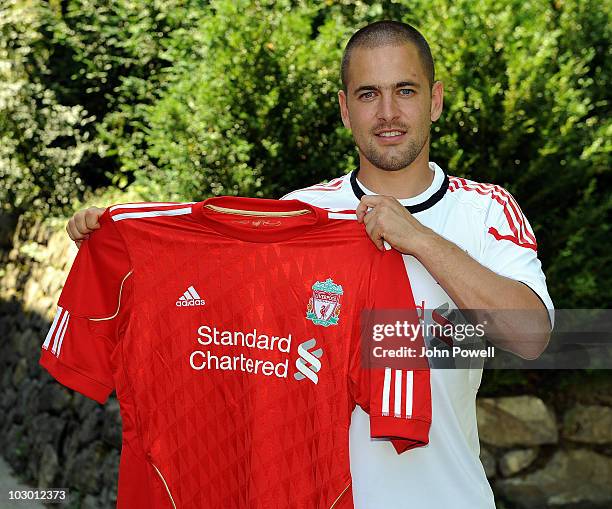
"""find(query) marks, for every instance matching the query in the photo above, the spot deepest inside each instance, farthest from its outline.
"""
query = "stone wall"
(536, 454)
(537, 459)
(51, 436)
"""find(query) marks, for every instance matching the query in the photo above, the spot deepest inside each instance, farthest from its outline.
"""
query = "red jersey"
(232, 341)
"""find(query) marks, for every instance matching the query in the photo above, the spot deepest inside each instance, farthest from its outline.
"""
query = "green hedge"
(183, 99)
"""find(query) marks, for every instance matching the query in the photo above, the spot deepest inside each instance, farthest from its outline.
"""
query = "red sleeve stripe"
(499, 236)
(516, 220)
(333, 185)
(519, 218)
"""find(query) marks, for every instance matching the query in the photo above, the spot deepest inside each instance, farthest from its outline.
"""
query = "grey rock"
(45, 429)
(514, 461)
(33, 398)
(62, 250)
(9, 280)
(7, 376)
(14, 451)
(8, 420)
(91, 502)
(588, 424)
(112, 429)
(110, 476)
(8, 399)
(488, 462)
(90, 428)
(22, 343)
(71, 441)
(54, 397)
(84, 406)
(27, 392)
(31, 293)
(515, 421)
(576, 478)
(83, 470)
(48, 467)
(20, 372)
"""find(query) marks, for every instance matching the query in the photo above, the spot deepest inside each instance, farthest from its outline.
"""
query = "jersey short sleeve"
(92, 310)
(510, 248)
(397, 400)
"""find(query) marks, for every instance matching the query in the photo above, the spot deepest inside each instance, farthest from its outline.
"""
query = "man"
(466, 245)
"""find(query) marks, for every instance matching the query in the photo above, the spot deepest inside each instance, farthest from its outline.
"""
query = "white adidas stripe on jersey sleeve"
(401, 392)
(153, 213)
(57, 331)
(149, 205)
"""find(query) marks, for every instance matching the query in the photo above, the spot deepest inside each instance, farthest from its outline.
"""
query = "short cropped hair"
(387, 32)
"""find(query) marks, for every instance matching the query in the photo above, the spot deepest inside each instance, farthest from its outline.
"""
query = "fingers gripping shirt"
(233, 341)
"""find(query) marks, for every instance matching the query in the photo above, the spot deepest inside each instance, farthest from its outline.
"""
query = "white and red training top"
(486, 222)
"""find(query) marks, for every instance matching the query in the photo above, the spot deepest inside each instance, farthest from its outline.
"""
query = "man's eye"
(367, 95)
(406, 91)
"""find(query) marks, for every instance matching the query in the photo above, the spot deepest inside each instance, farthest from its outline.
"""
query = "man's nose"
(388, 108)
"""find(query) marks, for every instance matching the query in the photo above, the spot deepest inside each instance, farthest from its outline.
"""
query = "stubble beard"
(399, 159)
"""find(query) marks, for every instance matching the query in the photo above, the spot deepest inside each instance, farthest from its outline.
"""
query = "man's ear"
(437, 100)
(344, 109)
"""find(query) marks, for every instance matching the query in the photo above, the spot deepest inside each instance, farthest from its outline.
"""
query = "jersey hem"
(73, 379)
(405, 434)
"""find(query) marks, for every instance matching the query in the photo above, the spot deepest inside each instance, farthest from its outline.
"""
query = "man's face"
(388, 105)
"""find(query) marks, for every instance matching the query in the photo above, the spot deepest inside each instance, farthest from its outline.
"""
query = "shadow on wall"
(51, 436)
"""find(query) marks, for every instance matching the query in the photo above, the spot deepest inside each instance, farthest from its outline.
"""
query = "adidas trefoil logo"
(190, 298)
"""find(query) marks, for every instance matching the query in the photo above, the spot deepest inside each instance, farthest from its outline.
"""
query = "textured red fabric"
(264, 426)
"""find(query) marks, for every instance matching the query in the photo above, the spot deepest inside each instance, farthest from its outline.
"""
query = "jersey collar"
(252, 228)
(427, 199)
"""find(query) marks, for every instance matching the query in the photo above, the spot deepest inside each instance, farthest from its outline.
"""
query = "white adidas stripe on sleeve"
(409, 392)
(386, 392)
(153, 213)
(55, 336)
(61, 330)
(148, 205)
(58, 313)
(60, 341)
(401, 391)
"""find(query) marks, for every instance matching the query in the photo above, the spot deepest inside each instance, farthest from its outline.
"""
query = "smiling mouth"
(387, 136)
(390, 134)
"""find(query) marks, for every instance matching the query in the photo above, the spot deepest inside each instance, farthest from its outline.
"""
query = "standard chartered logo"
(255, 352)
(308, 363)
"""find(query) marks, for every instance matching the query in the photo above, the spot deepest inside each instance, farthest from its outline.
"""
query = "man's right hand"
(83, 223)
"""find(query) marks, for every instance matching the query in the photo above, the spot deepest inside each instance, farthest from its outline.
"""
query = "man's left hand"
(386, 219)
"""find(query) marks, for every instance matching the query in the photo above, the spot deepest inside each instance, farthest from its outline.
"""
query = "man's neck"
(405, 183)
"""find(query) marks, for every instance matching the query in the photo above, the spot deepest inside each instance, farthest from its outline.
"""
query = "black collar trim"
(419, 207)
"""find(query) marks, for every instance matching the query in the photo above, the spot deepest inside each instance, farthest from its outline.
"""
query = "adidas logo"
(190, 298)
